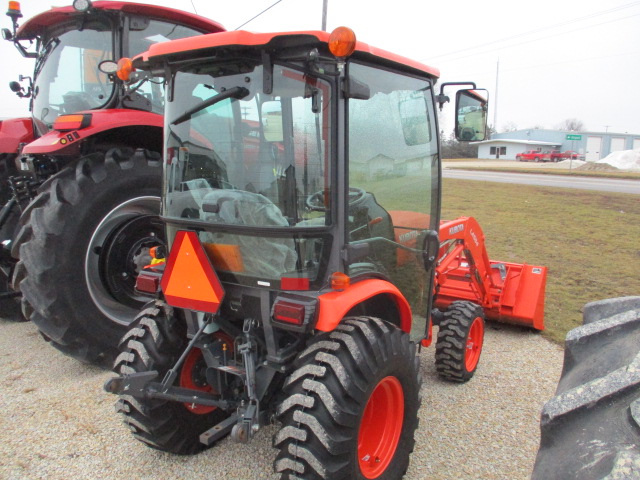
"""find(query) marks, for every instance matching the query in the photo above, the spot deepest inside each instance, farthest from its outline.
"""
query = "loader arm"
(507, 292)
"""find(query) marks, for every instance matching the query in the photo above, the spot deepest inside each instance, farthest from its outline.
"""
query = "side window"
(393, 178)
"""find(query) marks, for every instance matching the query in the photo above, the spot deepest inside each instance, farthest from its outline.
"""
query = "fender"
(13, 132)
(67, 142)
(335, 305)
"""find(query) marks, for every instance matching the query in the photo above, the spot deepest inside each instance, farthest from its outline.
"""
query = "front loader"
(301, 199)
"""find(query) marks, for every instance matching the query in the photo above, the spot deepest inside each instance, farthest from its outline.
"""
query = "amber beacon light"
(14, 10)
(342, 42)
(125, 67)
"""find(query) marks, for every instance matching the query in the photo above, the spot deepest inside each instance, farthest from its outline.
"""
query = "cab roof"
(36, 24)
(198, 47)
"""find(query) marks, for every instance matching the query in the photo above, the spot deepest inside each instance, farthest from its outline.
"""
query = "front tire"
(351, 406)
(460, 340)
(81, 243)
(155, 341)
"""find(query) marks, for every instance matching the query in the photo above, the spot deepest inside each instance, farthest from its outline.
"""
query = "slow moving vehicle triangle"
(189, 280)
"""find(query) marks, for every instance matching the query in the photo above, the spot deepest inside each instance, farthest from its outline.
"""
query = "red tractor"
(301, 199)
(80, 180)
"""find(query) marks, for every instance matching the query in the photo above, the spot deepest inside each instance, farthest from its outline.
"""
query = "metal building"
(593, 145)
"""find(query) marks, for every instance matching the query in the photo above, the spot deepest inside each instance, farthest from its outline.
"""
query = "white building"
(593, 145)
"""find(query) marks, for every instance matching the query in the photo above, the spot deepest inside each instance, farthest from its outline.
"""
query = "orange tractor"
(301, 199)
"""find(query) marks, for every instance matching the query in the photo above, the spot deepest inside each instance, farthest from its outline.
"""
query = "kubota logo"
(456, 229)
(475, 239)
(407, 237)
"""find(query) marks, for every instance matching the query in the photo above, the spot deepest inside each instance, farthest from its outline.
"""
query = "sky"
(542, 62)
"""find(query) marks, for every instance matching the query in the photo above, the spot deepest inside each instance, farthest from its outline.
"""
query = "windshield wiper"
(235, 92)
(46, 52)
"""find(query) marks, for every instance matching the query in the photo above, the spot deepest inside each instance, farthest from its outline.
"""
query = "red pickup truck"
(529, 155)
(557, 155)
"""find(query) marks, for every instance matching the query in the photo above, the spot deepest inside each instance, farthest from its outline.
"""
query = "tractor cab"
(305, 170)
(69, 43)
(301, 198)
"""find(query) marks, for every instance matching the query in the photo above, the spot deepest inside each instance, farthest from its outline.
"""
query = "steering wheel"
(315, 201)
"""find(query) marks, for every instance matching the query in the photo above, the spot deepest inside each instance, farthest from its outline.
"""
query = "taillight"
(294, 283)
(294, 313)
(289, 312)
(66, 123)
(148, 282)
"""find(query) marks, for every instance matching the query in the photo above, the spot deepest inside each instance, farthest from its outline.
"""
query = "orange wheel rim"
(190, 375)
(474, 344)
(381, 427)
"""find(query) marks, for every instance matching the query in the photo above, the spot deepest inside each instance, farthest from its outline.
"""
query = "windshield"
(249, 166)
(69, 80)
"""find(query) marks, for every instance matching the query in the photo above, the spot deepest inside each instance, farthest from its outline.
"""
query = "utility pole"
(495, 98)
(324, 15)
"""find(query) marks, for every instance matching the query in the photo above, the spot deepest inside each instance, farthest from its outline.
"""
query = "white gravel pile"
(624, 160)
(58, 423)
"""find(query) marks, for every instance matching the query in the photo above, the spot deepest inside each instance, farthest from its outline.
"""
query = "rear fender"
(68, 142)
(334, 306)
(13, 132)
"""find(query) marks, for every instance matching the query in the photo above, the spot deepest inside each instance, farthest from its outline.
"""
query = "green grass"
(539, 170)
(590, 241)
(551, 171)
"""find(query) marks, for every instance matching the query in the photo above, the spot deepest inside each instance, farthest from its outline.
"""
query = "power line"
(538, 30)
(487, 73)
(253, 18)
(533, 40)
(573, 60)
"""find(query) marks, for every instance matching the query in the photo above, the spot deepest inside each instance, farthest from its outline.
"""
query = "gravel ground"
(58, 423)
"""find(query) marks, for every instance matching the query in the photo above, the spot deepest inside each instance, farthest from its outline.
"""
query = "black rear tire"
(155, 341)
(337, 382)
(460, 339)
(81, 242)
(591, 428)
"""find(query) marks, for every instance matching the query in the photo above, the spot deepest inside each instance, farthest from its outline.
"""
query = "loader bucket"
(522, 298)
(507, 292)
(516, 294)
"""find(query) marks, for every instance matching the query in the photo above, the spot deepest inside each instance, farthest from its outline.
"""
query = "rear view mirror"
(108, 67)
(471, 115)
